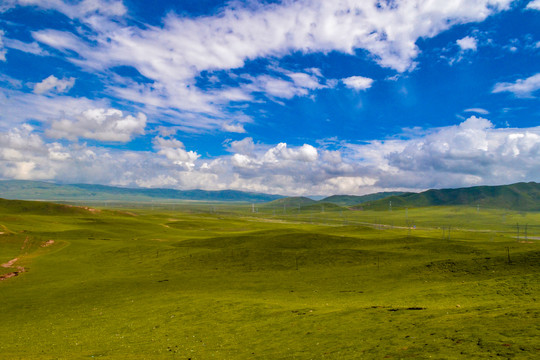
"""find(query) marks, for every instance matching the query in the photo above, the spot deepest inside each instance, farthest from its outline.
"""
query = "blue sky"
(291, 97)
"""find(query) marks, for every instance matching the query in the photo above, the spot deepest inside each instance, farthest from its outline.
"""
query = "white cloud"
(174, 151)
(245, 146)
(24, 155)
(467, 43)
(276, 87)
(99, 124)
(31, 48)
(2, 49)
(175, 53)
(305, 153)
(520, 88)
(19, 107)
(227, 40)
(471, 153)
(60, 40)
(358, 82)
(290, 85)
(477, 110)
(306, 81)
(534, 5)
(52, 83)
(79, 9)
(234, 128)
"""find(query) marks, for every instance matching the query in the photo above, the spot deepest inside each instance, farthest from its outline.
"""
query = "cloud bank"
(468, 154)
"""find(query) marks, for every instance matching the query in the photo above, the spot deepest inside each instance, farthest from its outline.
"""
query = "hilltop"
(39, 208)
(293, 201)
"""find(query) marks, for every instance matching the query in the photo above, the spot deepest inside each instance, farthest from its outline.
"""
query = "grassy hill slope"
(519, 196)
(39, 208)
(298, 201)
(350, 200)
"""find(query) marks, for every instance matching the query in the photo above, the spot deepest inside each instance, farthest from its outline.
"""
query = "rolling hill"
(297, 201)
(519, 196)
(350, 200)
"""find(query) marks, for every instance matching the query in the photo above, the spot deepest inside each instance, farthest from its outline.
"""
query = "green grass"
(233, 284)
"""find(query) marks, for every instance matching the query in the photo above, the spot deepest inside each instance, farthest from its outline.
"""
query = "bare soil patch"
(47, 243)
(9, 264)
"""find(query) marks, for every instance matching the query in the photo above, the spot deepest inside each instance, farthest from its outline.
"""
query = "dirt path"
(9, 264)
(19, 269)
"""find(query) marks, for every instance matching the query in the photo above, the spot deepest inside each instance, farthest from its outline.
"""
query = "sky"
(305, 97)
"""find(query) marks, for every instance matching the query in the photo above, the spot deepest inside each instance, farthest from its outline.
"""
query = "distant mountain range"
(38, 190)
(520, 196)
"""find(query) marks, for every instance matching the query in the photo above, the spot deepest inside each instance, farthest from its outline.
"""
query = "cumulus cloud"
(245, 146)
(521, 87)
(23, 154)
(99, 124)
(174, 151)
(358, 82)
(305, 153)
(467, 43)
(471, 153)
(234, 128)
(534, 5)
(53, 84)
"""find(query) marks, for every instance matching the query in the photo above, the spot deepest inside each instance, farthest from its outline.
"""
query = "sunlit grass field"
(218, 281)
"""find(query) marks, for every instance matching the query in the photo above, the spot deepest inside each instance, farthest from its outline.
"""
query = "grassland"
(216, 281)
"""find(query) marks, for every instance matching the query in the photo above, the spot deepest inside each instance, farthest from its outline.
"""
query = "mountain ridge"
(519, 196)
(39, 190)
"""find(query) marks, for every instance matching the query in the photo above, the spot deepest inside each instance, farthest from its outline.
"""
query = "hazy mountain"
(520, 196)
(37, 190)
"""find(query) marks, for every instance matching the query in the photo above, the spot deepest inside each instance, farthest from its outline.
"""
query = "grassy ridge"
(350, 200)
(520, 197)
(233, 284)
